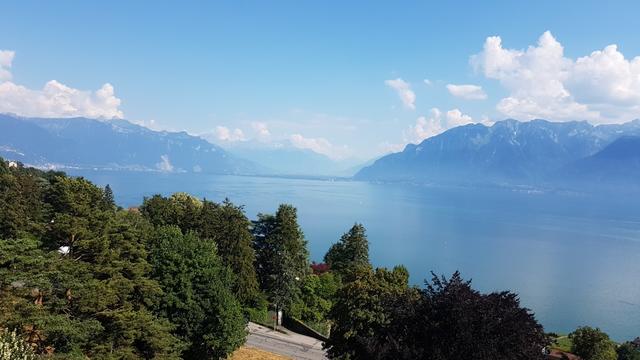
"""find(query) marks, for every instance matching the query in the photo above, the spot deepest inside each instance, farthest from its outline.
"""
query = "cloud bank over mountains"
(602, 87)
(54, 99)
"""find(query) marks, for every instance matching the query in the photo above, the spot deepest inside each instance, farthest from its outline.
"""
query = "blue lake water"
(573, 258)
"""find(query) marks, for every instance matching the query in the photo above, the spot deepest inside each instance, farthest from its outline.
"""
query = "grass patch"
(562, 342)
(321, 327)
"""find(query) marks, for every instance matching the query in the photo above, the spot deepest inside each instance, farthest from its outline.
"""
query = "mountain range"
(514, 152)
(508, 152)
(112, 145)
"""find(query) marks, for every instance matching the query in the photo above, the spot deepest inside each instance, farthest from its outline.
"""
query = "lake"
(573, 258)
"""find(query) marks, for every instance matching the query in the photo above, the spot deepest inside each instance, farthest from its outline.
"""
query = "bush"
(257, 315)
(12, 347)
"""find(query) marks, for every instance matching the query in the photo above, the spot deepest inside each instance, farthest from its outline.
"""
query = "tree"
(363, 314)
(180, 209)
(76, 281)
(228, 226)
(628, 351)
(592, 344)
(282, 258)
(197, 297)
(377, 316)
(77, 212)
(350, 252)
(454, 321)
(316, 297)
(108, 199)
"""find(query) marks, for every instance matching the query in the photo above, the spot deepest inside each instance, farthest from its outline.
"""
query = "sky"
(348, 79)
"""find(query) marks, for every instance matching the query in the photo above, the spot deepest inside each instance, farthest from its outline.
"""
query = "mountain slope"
(112, 144)
(618, 163)
(508, 151)
(283, 158)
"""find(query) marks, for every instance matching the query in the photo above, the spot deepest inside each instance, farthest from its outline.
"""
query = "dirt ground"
(248, 353)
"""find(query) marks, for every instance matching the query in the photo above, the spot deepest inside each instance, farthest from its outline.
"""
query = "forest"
(180, 277)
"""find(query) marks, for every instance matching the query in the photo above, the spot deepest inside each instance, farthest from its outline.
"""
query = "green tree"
(22, 207)
(350, 252)
(108, 199)
(282, 257)
(81, 288)
(377, 316)
(592, 344)
(77, 212)
(180, 209)
(316, 297)
(229, 227)
(197, 297)
(363, 316)
(628, 351)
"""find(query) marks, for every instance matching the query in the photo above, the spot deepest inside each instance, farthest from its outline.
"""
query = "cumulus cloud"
(165, 164)
(403, 89)
(428, 82)
(320, 146)
(54, 99)
(223, 133)
(468, 92)
(261, 130)
(436, 123)
(603, 87)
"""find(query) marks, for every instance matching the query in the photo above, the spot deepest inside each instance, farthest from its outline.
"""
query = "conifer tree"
(282, 256)
(350, 252)
(197, 297)
(229, 227)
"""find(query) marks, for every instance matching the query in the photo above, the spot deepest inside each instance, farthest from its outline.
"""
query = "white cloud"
(603, 87)
(468, 92)
(165, 164)
(320, 146)
(6, 59)
(54, 99)
(435, 123)
(403, 88)
(261, 129)
(223, 133)
(428, 82)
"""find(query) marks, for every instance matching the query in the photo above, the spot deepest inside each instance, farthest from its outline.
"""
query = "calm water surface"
(574, 259)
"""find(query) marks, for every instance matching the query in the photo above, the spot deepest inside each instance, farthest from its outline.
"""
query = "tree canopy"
(350, 252)
(592, 344)
(282, 257)
(377, 316)
(207, 316)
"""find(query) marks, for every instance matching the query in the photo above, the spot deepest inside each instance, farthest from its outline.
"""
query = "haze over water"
(571, 257)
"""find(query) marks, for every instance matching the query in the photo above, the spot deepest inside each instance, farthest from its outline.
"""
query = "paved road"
(293, 345)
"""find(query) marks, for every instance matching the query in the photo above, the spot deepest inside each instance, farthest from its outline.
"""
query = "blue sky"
(314, 73)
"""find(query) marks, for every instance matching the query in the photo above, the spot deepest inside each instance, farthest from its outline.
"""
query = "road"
(293, 345)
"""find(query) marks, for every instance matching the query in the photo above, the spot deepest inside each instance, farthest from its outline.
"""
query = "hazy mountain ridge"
(508, 151)
(112, 144)
(283, 158)
(617, 163)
